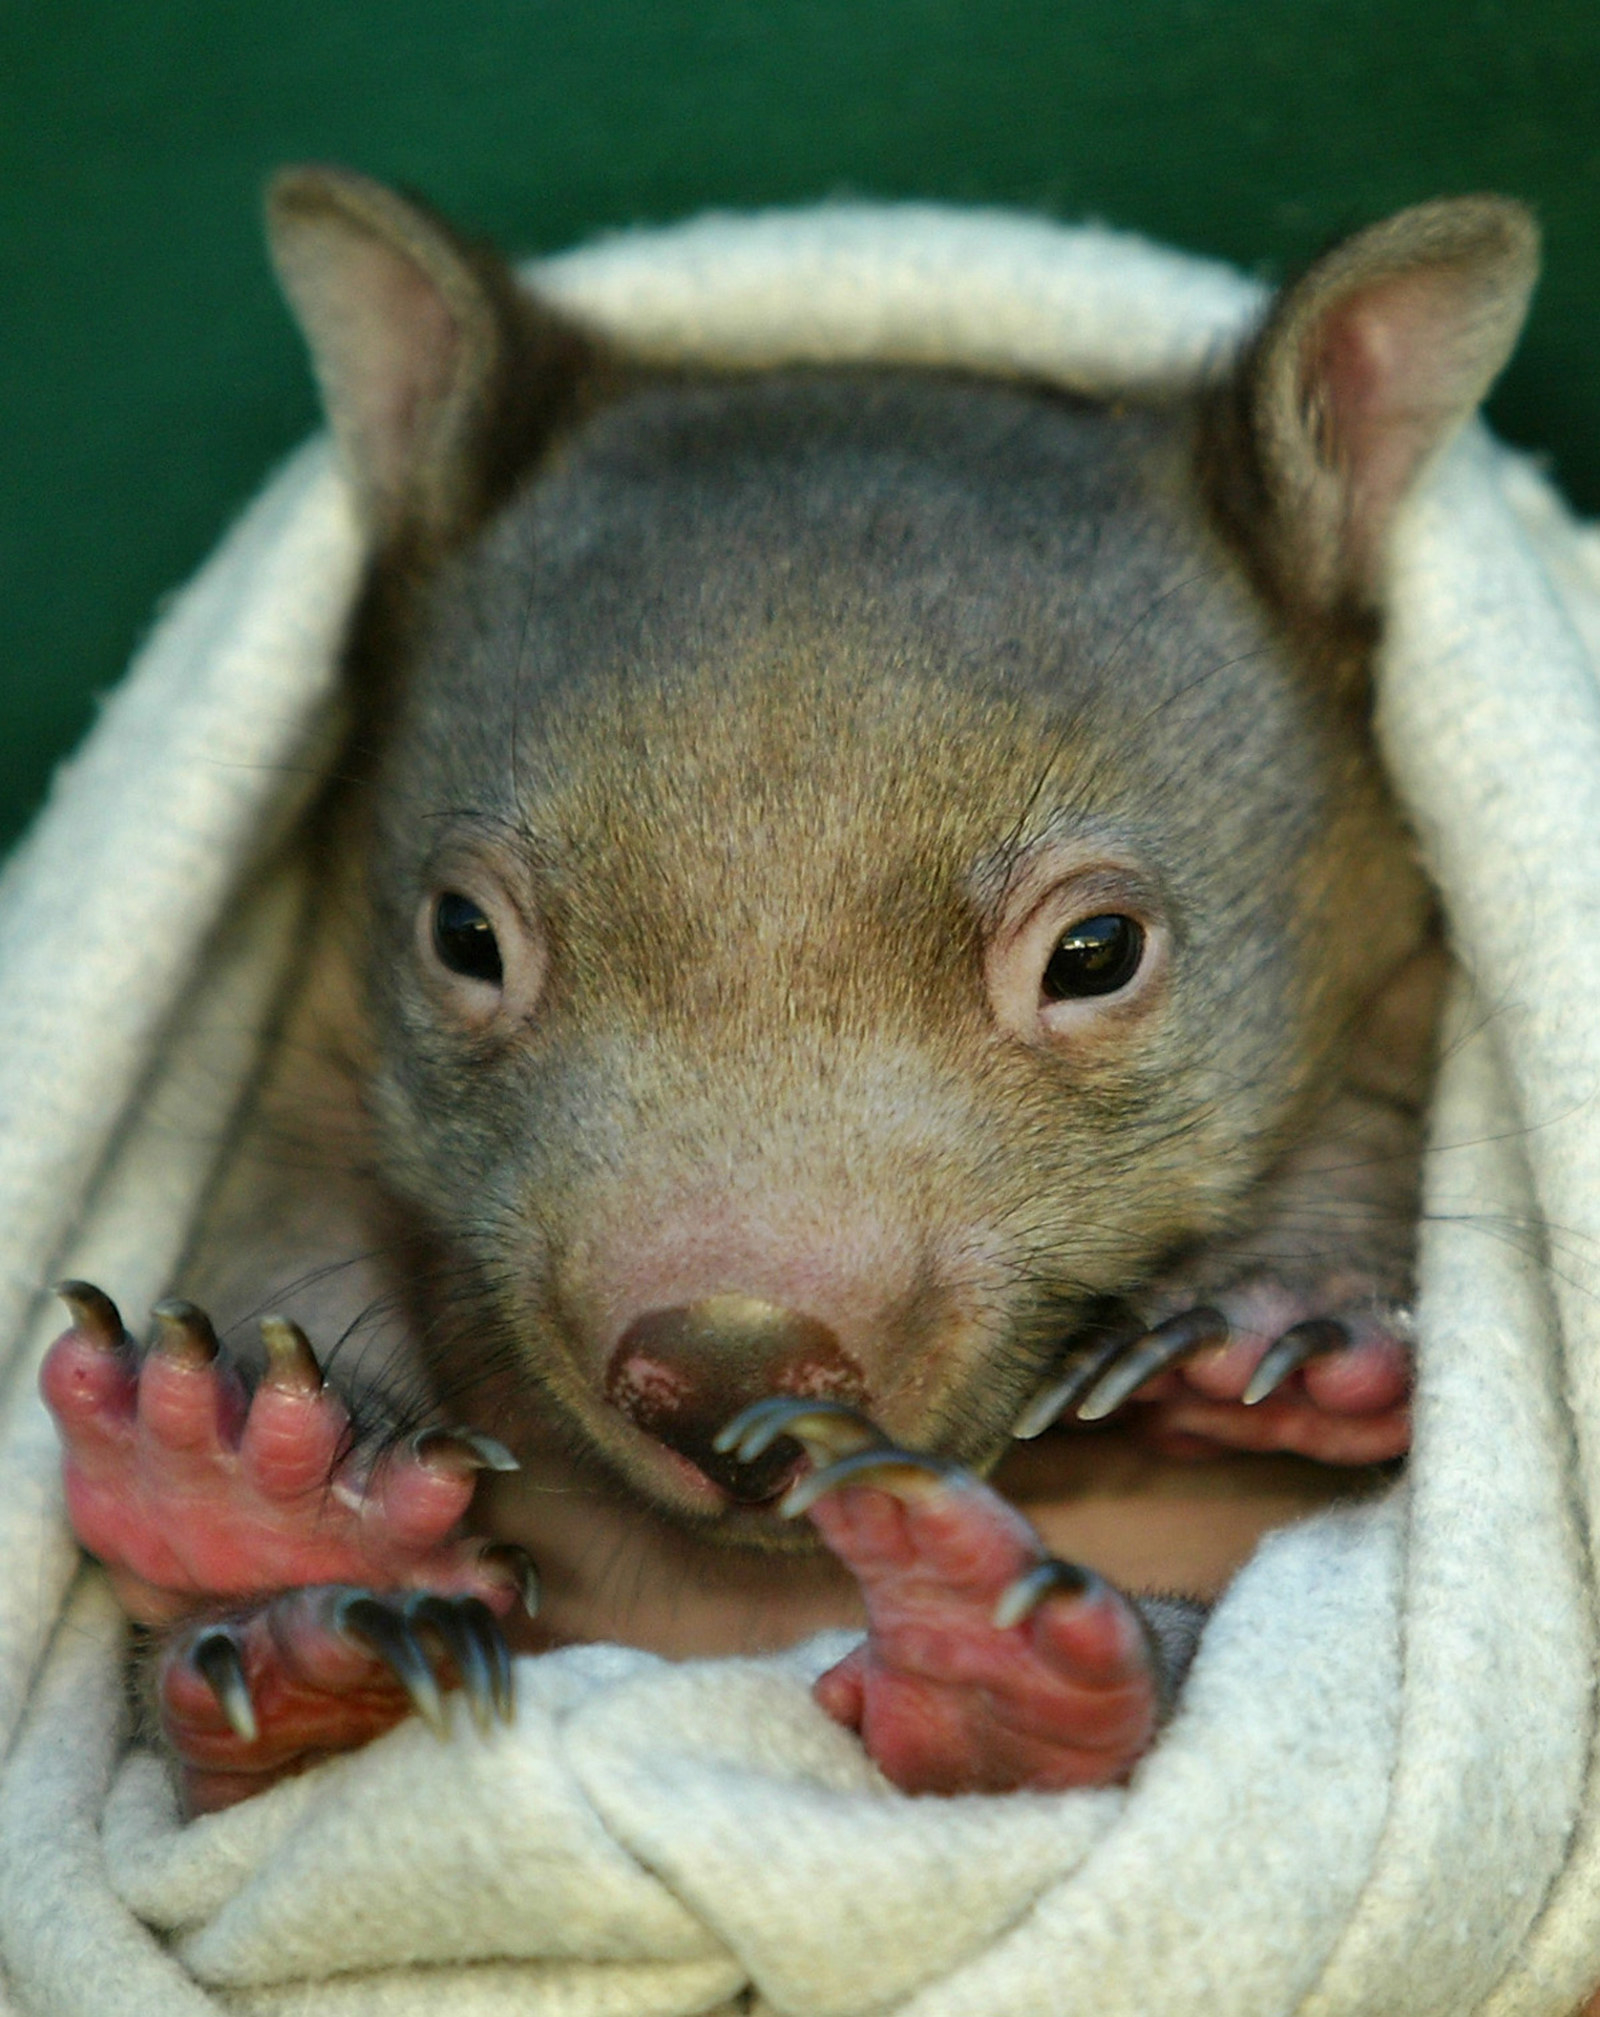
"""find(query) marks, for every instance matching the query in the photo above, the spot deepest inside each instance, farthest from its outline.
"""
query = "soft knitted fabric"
(1377, 1794)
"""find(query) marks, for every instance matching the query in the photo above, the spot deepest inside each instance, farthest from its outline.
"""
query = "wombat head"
(863, 863)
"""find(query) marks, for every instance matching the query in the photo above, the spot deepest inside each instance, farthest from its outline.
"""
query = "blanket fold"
(1378, 1793)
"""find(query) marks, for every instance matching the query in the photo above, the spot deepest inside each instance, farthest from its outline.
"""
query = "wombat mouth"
(742, 1488)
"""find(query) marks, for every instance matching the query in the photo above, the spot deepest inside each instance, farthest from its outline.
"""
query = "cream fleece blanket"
(1379, 1793)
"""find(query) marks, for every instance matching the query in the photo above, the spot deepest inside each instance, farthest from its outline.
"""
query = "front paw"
(190, 1487)
(306, 1592)
(988, 1665)
(1322, 1371)
(255, 1696)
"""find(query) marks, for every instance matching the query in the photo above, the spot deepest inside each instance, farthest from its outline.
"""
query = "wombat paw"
(191, 1489)
(987, 1664)
(251, 1698)
(1324, 1373)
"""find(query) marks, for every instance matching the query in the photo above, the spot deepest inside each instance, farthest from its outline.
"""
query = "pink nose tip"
(681, 1374)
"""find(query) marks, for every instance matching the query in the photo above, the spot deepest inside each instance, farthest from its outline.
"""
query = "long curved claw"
(468, 1632)
(1310, 1340)
(216, 1658)
(1049, 1578)
(372, 1624)
(1060, 1396)
(184, 1333)
(291, 1362)
(823, 1429)
(1189, 1331)
(906, 1474)
(516, 1566)
(463, 1450)
(483, 1623)
(94, 1314)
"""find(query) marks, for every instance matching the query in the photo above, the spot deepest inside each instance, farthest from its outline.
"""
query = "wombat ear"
(441, 378)
(1362, 371)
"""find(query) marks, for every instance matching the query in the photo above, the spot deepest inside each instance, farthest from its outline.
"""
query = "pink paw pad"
(1259, 1370)
(987, 1665)
(191, 1489)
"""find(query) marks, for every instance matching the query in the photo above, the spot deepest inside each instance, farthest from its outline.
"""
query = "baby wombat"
(860, 901)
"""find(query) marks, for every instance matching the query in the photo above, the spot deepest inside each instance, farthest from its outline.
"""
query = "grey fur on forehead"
(1005, 589)
(1007, 539)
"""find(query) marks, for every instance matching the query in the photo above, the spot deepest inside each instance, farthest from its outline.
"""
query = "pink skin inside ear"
(1379, 387)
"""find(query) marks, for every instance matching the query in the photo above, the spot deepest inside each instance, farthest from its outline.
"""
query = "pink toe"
(291, 1440)
(419, 1502)
(841, 1691)
(88, 1389)
(1223, 1372)
(1095, 1639)
(1373, 1376)
(187, 1408)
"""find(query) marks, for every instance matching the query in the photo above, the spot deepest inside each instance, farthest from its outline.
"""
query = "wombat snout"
(682, 1374)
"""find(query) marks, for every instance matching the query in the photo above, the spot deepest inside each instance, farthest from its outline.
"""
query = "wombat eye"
(464, 939)
(1096, 956)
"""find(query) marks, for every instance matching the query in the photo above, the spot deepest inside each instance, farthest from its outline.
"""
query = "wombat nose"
(681, 1374)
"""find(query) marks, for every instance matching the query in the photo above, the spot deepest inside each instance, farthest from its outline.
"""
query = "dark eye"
(1097, 956)
(464, 939)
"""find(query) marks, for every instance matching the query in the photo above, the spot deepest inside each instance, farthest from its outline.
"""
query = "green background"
(148, 376)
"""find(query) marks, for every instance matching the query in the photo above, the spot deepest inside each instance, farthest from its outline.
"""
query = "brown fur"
(759, 700)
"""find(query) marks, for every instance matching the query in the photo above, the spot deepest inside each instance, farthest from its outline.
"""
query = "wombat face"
(862, 865)
(780, 739)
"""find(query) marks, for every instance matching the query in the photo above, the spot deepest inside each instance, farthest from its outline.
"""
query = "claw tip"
(220, 1665)
(1049, 1578)
(1041, 1411)
(519, 1568)
(184, 1333)
(92, 1311)
(291, 1362)
(463, 1451)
